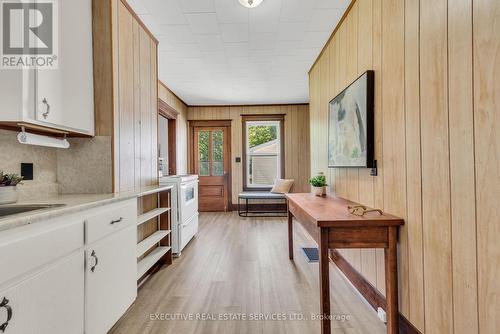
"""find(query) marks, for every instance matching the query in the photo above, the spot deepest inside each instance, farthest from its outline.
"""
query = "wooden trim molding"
(198, 123)
(245, 105)
(370, 293)
(166, 111)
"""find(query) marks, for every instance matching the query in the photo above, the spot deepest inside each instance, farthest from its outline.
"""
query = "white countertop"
(72, 204)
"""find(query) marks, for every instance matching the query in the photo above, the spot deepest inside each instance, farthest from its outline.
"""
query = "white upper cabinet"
(60, 98)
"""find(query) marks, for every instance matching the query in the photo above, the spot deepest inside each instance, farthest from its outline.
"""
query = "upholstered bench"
(261, 196)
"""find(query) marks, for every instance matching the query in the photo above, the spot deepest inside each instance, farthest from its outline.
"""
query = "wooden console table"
(329, 222)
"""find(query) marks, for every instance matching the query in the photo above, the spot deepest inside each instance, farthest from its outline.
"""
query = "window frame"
(263, 118)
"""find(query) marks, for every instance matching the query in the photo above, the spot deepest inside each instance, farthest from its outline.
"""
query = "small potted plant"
(318, 184)
(8, 187)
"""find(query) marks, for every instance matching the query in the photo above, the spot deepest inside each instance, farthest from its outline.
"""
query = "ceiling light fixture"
(250, 3)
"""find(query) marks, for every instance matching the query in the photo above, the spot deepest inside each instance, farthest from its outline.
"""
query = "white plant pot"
(8, 195)
(318, 191)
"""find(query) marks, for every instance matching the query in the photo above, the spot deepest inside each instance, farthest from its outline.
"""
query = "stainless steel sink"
(16, 209)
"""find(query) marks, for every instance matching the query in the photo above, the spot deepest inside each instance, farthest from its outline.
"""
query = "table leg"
(290, 235)
(391, 282)
(324, 282)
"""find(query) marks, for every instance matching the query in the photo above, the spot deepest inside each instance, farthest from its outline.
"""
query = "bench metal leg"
(266, 214)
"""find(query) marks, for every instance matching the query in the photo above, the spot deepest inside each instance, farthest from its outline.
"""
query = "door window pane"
(203, 153)
(217, 153)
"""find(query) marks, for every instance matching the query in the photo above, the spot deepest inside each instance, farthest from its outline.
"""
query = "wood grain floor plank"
(240, 266)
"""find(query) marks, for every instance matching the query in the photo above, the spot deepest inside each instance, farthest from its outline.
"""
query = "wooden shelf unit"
(150, 215)
(154, 247)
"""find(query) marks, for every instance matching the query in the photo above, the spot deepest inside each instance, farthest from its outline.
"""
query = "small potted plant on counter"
(8, 187)
(318, 184)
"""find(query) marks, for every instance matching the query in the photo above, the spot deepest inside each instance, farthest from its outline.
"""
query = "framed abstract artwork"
(350, 125)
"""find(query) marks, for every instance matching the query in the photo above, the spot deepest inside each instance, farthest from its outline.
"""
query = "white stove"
(184, 209)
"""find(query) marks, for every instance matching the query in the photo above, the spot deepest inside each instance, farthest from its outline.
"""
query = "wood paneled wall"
(296, 139)
(136, 119)
(173, 101)
(126, 95)
(126, 99)
(437, 101)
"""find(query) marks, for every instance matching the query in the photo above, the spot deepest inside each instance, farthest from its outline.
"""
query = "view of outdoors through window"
(263, 153)
(211, 162)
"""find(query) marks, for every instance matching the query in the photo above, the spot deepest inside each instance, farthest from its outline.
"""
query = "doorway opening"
(167, 139)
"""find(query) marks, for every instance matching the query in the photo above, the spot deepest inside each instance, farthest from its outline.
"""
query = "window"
(263, 151)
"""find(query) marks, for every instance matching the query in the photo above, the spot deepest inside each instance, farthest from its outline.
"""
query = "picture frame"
(351, 125)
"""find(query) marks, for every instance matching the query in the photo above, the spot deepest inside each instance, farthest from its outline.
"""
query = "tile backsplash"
(84, 168)
(44, 159)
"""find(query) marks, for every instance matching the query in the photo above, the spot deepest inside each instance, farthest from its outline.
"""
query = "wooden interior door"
(211, 162)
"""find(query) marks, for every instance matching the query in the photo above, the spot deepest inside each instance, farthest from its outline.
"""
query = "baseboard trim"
(368, 291)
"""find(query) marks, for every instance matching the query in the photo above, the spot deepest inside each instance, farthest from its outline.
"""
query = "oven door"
(189, 201)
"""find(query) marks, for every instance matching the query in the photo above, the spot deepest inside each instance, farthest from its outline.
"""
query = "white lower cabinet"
(110, 279)
(51, 301)
(53, 282)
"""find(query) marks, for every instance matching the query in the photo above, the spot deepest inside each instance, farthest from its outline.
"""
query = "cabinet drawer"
(32, 246)
(110, 218)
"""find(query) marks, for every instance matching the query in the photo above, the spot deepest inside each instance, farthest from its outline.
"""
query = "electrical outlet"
(381, 314)
(27, 171)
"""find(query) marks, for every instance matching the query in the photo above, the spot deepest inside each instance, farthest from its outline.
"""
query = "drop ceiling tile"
(188, 50)
(138, 7)
(150, 22)
(238, 62)
(203, 23)
(177, 33)
(216, 51)
(265, 18)
(322, 19)
(230, 11)
(308, 54)
(236, 49)
(215, 57)
(198, 6)
(262, 41)
(260, 56)
(234, 32)
(332, 4)
(209, 42)
(296, 10)
(164, 44)
(315, 39)
(165, 11)
(291, 31)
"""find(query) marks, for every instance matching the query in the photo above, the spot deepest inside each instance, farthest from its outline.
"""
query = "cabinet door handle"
(116, 221)
(47, 111)
(5, 304)
(92, 269)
